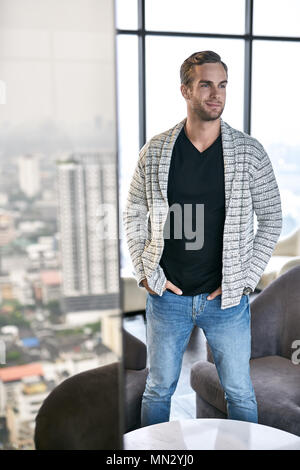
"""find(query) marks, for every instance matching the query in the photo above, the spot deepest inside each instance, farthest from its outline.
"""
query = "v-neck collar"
(191, 143)
(229, 157)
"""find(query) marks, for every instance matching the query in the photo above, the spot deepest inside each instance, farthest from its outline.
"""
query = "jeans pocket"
(153, 295)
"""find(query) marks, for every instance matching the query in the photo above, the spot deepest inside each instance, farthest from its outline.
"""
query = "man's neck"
(202, 131)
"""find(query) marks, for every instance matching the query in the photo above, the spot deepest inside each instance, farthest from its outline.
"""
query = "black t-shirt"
(195, 178)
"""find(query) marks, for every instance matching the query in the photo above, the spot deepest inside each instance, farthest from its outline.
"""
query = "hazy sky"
(57, 59)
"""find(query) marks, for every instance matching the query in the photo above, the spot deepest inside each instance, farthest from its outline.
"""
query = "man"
(201, 162)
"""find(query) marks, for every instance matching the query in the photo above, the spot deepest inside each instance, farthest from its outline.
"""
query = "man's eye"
(204, 84)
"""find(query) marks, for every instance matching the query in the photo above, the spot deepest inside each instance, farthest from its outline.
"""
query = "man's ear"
(185, 91)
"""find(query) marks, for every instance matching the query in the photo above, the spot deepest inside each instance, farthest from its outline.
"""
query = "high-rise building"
(29, 174)
(7, 231)
(89, 255)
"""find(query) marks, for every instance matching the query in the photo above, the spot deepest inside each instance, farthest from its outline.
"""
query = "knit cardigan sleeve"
(135, 216)
(267, 206)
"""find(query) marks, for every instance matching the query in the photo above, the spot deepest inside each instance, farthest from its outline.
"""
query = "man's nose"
(215, 92)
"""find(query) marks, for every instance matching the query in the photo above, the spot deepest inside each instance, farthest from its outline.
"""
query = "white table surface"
(210, 434)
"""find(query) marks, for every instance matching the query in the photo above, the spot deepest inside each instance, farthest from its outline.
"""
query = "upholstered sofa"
(274, 364)
(83, 412)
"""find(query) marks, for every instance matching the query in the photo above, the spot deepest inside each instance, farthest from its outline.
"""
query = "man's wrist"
(141, 282)
(247, 290)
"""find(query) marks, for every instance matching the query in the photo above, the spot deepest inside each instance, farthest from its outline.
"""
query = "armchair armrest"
(275, 320)
(265, 324)
(289, 245)
(267, 319)
(135, 352)
(210, 357)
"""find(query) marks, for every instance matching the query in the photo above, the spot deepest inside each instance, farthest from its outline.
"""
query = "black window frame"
(248, 38)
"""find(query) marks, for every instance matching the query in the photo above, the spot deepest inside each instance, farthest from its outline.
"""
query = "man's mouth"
(213, 105)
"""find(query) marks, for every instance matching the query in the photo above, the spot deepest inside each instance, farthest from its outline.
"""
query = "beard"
(207, 114)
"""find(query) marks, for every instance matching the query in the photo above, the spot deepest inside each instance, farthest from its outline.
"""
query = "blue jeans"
(170, 319)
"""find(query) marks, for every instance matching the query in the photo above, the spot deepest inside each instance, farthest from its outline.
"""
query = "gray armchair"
(79, 412)
(135, 357)
(285, 256)
(275, 325)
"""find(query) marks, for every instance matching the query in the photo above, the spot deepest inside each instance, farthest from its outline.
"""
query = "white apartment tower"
(29, 174)
(90, 273)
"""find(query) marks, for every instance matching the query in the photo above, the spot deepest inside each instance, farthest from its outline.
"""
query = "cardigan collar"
(167, 149)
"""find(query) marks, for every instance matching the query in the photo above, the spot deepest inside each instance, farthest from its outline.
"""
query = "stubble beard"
(205, 115)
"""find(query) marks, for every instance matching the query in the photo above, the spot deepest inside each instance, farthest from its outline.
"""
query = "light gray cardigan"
(250, 185)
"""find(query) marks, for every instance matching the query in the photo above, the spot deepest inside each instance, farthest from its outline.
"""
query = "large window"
(276, 17)
(275, 118)
(128, 112)
(165, 103)
(259, 40)
(59, 267)
(195, 16)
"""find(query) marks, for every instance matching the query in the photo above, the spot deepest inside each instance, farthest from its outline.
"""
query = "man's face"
(207, 93)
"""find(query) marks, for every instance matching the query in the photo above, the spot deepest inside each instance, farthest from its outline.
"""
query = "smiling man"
(201, 161)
